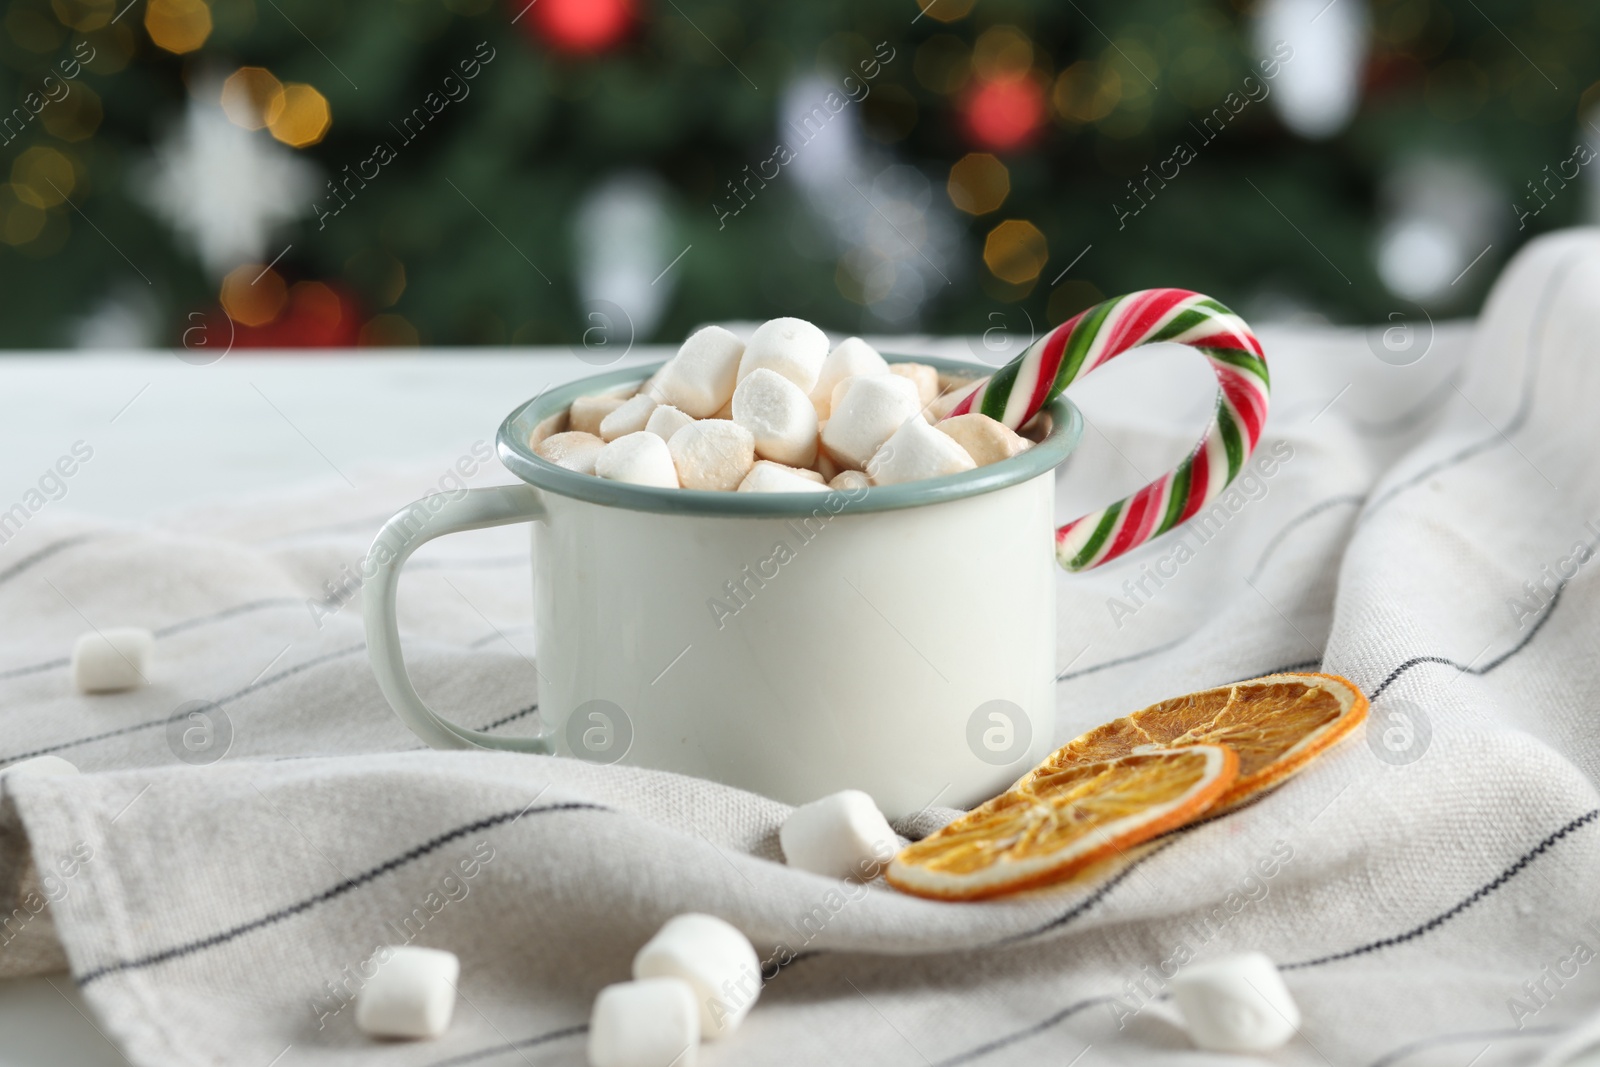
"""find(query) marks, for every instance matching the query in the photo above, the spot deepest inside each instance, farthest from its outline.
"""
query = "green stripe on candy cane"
(1016, 392)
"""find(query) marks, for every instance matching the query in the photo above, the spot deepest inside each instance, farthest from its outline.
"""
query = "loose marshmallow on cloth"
(779, 416)
(1236, 1004)
(850, 358)
(986, 440)
(628, 417)
(842, 835)
(641, 458)
(699, 380)
(654, 1022)
(713, 957)
(412, 995)
(39, 767)
(666, 420)
(587, 412)
(112, 659)
(769, 477)
(792, 347)
(865, 412)
(916, 451)
(574, 450)
(712, 454)
(924, 377)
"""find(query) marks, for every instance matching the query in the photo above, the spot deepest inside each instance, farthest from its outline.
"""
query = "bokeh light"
(22, 218)
(178, 26)
(1086, 92)
(389, 331)
(252, 97)
(45, 175)
(979, 183)
(303, 119)
(946, 10)
(1004, 114)
(76, 117)
(253, 295)
(1002, 52)
(84, 15)
(1016, 251)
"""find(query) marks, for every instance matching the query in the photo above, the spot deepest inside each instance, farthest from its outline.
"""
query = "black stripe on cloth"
(1524, 405)
(513, 717)
(1470, 1035)
(1289, 527)
(512, 1046)
(1066, 676)
(486, 563)
(150, 724)
(1406, 420)
(27, 562)
(1021, 1035)
(1467, 668)
(1445, 916)
(338, 890)
(168, 631)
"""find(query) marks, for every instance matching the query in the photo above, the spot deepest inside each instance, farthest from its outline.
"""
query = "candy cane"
(1017, 391)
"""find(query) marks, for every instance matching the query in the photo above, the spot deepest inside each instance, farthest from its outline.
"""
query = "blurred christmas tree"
(472, 171)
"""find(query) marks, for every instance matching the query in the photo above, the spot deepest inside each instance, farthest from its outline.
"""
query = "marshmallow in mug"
(782, 413)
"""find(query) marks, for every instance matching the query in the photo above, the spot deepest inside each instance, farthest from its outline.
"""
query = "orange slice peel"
(1131, 780)
(1068, 820)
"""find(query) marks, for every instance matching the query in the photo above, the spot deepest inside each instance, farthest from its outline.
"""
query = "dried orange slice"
(1066, 820)
(1276, 724)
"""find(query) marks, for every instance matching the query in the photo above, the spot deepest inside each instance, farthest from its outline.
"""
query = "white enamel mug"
(898, 639)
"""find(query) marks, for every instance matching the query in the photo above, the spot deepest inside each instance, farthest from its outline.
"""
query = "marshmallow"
(39, 767)
(850, 358)
(641, 458)
(1236, 1004)
(916, 451)
(573, 450)
(945, 402)
(713, 957)
(587, 412)
(985, 440)
(108, 660)
(768, 477)
(843, 835)
(712, 454)
(825, 465)
(846, 481)
(650, 1023)
(699, 380)
(778, 415)
(924, 377)
(628, 417)
(412, 995)
(792, 347)
(866, 410)
(666, 420)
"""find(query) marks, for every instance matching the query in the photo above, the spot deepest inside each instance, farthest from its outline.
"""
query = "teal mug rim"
(519, 458)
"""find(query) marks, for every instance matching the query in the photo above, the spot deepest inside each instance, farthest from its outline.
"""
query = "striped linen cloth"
(1428, 887)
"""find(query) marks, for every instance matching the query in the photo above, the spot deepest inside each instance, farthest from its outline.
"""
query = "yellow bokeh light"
(84, 15)
(1087, 92)
(21, 219)
(1016, 251)
(1002, 52)
(390, 331)
(178, 26)
(46, 174)
(252, 296)
(76, 117)
(252, 97)
(979, 183)
(304, 117)
(946, 10)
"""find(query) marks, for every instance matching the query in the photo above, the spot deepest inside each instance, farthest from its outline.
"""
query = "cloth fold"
(1427, 532)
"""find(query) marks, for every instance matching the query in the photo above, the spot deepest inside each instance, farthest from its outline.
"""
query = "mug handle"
(410, 529)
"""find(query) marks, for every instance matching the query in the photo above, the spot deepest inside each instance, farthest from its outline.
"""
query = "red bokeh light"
(1004, 114)
(580, 27)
